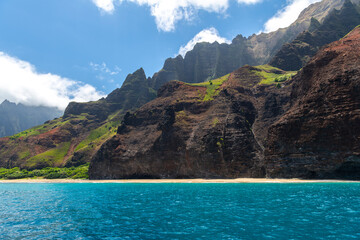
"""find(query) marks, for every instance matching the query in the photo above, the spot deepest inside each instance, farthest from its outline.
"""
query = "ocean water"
(180, 211)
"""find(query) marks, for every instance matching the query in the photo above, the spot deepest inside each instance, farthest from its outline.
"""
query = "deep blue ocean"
(180, 211)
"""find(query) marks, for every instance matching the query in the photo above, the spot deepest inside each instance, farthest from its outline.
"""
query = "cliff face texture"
(238, 126)
(191, 131)
(134, 93)
(293, 56)
(210, 61)
(319, 137)
(206, 61)
(180, 136)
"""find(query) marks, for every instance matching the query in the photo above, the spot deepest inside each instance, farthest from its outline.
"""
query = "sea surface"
(180, 211)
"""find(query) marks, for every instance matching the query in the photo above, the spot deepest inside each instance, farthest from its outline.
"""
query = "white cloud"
(287, 15)
(103, 68)
(207, 35)
(168, 12)
(21, 83)
(105, 5)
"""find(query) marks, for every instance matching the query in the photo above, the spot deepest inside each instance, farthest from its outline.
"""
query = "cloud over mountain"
(287, 15)
(21, 83)
(207, 35)
(168, 12)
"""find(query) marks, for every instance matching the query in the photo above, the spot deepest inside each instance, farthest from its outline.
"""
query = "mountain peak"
(7, 103)
(137, 76)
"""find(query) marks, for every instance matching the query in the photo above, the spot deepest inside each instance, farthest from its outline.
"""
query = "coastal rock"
(319, 136)
(185, 133)
(306, 127)
(179, 135)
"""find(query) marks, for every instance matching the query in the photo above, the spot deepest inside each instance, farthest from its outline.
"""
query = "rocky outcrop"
(206, 61)
(215, 129)
(293, 56)
(212, 60)
(134, 93)
(184, 134)
(307, 127)
(180, 136)
(319, 137)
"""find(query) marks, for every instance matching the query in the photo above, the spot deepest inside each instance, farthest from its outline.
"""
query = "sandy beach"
(237, 180)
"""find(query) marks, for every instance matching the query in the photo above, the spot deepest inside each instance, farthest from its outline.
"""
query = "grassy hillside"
(61, 142)
(272, 75)
(71, 140)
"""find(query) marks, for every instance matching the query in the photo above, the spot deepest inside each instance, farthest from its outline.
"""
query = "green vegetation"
(358, 26)
(271, 75)
(97, 135)
(100, 134)
(47, 126)
(52, 157)
(220, 143)
(215, 122)
(24, 154)
(181, 118)
(26, 133)
(212, 87)
(80, 172)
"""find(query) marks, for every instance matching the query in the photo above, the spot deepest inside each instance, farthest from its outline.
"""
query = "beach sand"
(237, 180)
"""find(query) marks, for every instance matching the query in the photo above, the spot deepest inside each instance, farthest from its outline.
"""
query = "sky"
(53, 52)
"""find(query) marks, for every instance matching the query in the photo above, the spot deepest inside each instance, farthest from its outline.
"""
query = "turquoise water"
(180, 211)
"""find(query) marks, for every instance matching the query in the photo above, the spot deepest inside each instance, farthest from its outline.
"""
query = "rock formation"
(319, 137)
(293, 56)
(307, 127)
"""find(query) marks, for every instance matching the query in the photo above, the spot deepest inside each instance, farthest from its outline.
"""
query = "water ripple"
(180, 211)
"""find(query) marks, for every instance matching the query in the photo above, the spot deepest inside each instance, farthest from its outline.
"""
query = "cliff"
(256, 122)
(213, 60)
(217, 128)
(319, 137)
(196, 130)
(293, 56)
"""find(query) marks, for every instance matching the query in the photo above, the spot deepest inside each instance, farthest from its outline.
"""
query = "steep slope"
(256, 122)
(193, 130)
(294, 55)
(134, 93)
(75, 137)
(206, 61)
(15, 118)
(319, 137)
(250, 101)
(209, 61)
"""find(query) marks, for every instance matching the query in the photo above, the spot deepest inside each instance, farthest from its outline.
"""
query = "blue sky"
(55, 51)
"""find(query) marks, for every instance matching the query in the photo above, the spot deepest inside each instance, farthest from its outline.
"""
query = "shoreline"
(199, 180)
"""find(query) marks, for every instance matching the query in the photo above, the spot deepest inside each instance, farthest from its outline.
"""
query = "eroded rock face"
(134, 93)
(293, 56)
(308, 128)
(178, 135)
(319, 137)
